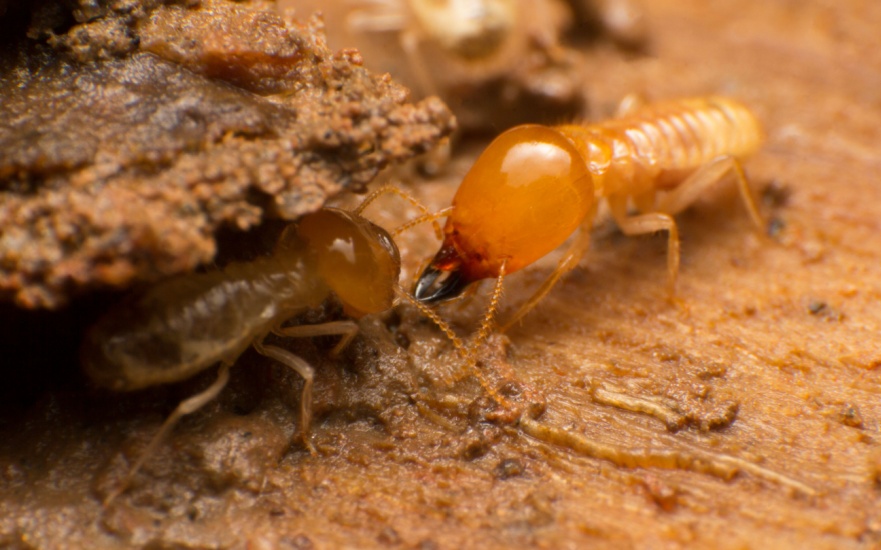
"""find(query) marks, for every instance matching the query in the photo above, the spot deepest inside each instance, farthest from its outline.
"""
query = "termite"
(187, 324)
(535, 185)
(469, 30)
(473, 38)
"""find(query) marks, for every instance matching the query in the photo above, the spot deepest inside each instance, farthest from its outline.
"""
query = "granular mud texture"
(128, 140)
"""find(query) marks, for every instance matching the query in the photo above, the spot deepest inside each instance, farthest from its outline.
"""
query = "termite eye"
(385, 240)
(357, 259)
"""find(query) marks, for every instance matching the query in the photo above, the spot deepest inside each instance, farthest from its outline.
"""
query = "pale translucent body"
(189, 323)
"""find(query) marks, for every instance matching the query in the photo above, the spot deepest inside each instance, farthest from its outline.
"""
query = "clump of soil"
(132, 132)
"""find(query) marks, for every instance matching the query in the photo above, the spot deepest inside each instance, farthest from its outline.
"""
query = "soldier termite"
(535, 185)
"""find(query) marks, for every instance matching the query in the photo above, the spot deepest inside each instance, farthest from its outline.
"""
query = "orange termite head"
(527, 192)
(357, 259)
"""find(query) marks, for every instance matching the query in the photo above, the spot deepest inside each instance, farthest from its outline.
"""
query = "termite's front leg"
(305, 370)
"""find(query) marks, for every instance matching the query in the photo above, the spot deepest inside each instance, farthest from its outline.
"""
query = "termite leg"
(346, 329)
(642, 224)
(306, 371)
(187, 406)
(409, 40)
(707, 175)
(573, 255)
(383, 17)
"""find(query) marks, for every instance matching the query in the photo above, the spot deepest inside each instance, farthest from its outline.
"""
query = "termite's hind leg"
(652, 222)
(306, 371)
(706, 176)
(187, 406)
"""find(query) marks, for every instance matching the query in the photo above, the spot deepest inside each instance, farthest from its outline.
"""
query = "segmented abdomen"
(685, 134)
(188, 323)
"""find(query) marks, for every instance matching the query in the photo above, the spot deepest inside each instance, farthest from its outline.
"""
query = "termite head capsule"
(357, 259)
(527, 192)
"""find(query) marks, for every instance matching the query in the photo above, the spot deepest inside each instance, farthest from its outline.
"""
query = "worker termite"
(474, 31)
(189, 323)
(509, 50)
(535, 185)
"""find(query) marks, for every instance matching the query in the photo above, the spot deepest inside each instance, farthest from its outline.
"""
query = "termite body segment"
(535, 185)
(189, 323)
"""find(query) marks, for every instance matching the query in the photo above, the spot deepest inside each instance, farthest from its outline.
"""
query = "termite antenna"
(465, 352)
(468, 353)
(486, 325)
(432, 217)
(426, 214)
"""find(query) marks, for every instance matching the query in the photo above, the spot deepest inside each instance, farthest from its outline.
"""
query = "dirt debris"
(125, 148)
